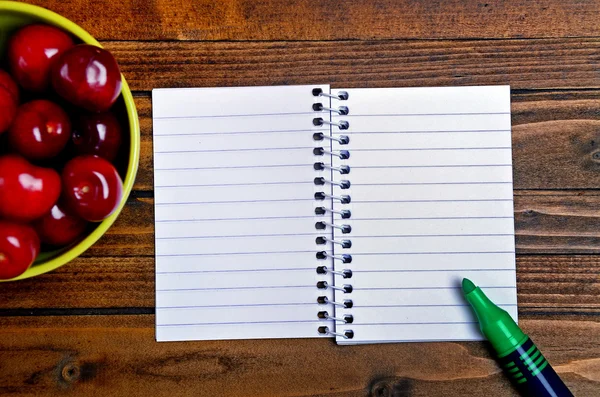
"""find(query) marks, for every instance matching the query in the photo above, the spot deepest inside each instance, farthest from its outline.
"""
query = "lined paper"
(431, 174)
(235, 213)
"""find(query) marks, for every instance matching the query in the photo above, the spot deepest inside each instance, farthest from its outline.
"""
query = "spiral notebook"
(305, 211)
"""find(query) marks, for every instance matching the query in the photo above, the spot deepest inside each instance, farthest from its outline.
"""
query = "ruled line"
(420, 323)
(236, 184)
(432, 253)
(238, 271)
(313, 199)
(233, 219)
(314, 286)
(433, 270)
(433, 218)
(354, 306)
(240, 236)
(234, 288)
(424, 288)
(318, 304)
(324, 321)
(422, 114)
(431, 149)
(235, 167)
(246, 132)
(431, 166)
(354, 184)
(350, 131)
(321, 233)
(208, 116)
(235, 150)
(431, 183)
(433, 201)
(322, 216)
(237, 253)
(241, 305)
(314, 267)
(352, 236)
(234, 201)
(353, 254)
(311, 165)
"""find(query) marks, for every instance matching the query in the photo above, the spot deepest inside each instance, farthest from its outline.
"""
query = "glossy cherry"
(97, 133)
(41, 130)
(88, 77)
(92, 188)
(8, 83)
(9, 100)
(58, 227)
(19, 246)
(26, 191)
(31, 52)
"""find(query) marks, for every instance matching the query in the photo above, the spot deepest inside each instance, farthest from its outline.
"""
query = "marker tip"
(467, 286)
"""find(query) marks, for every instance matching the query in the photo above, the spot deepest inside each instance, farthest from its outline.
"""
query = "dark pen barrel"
(531, 373)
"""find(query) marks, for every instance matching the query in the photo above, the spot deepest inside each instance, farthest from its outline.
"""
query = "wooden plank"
(551, 63)
(556, 138)
(556, 222)
(329, 19)
(550, 285)
(117, 355)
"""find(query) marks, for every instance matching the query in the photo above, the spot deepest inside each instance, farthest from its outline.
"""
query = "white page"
(235, 213)
(431, 189)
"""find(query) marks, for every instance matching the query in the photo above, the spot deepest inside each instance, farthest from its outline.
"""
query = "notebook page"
(235, 213)
(432, 202)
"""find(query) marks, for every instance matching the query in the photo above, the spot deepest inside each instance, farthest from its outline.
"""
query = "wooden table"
(88, 328)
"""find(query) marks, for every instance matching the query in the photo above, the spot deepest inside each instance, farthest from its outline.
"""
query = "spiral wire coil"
(324, 226)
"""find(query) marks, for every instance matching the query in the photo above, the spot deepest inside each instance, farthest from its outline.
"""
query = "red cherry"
(58, 227)
(19, 246)
(40, 130)
(8, 110)
(98, 134)
(92, 188)
(26, 192)
(9, 100)
(31, 52)
(88, 77)
(7, 83)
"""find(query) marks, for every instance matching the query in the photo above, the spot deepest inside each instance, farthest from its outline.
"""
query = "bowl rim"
(46, 16)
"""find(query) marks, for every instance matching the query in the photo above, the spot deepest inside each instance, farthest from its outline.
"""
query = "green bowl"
(14, 15)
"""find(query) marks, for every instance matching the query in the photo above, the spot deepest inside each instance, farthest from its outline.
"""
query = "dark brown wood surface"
(88, 328)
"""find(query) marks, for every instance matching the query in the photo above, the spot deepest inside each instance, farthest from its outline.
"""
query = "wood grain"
(524, 64)
(328, 19)
(98, 355)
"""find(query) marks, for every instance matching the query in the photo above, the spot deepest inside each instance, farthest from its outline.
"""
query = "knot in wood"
(381, 389)
(70, 372)
(529, 213)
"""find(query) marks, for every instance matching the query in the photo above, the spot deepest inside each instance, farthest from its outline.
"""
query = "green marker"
(518, 356)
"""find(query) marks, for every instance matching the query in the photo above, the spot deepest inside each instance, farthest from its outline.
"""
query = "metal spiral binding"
(324, 226)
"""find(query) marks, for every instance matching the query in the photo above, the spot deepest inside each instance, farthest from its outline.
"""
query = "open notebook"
(305, 211)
